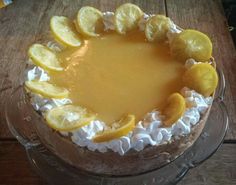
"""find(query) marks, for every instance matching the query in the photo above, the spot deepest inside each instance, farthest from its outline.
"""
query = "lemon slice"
(174, 109)
(64, 31)
(127, 124)
(192, 44)
(68, 117)
(157, 27)
(44, 57)
(127, 17)
(88, 21)
(202, 78)
(46, 89)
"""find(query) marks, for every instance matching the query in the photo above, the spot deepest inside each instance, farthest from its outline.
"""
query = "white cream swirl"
(36, 73)
(108, 21)
(44, 104)
(142, 22)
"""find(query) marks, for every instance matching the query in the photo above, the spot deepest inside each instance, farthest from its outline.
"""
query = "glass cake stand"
(20, 122)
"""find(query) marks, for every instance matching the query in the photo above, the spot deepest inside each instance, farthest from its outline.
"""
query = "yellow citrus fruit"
(174, 109)
(68, 117)
(46, 89)
(157, 27)
(89, 21)
(44, 57)
(127, 124)
(191, 44)
(202, 78)
(64, 31)
(127, 17)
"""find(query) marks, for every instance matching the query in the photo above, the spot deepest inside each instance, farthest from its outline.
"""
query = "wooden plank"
(8, 80)
(25, 22)
(208, 17)
(219, 169)
(18, 26)
(14, 167)
(4, 131)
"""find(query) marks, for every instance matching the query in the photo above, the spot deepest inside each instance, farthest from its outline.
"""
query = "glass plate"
(56, 171)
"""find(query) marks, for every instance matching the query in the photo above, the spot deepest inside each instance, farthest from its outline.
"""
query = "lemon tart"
(127, 89)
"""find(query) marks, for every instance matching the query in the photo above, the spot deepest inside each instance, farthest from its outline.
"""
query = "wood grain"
(18, 27)
(25, 22)
(7, 82)
(14, 166)
(219, 169)
(208, 17)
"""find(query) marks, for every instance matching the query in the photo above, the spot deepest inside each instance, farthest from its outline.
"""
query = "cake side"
(111, 163)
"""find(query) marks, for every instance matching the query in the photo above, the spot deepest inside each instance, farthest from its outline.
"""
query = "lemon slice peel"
(68, 118)
(89, 21)
(127, 124)
(44, 58)
(202, 78)
(191, 44)
(126, 17)
(46, 89)
(157, 27)
(64, 31)
(174, 109)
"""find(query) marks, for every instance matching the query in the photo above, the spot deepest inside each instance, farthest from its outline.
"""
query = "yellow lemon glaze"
(115, 75)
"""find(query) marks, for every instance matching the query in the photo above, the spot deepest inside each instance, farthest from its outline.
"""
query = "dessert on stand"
(119, 97)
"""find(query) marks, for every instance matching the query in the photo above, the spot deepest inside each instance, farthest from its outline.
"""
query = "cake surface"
(127, 80)
(122, 90)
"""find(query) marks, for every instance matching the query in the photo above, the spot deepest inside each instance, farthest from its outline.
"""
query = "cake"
(120, 93)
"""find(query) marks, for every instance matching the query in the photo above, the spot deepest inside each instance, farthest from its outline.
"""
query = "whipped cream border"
(147, 132)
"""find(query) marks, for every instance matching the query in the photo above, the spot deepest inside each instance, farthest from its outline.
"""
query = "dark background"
(230, 12)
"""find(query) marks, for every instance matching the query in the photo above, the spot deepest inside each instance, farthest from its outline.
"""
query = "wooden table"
(23, 21)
